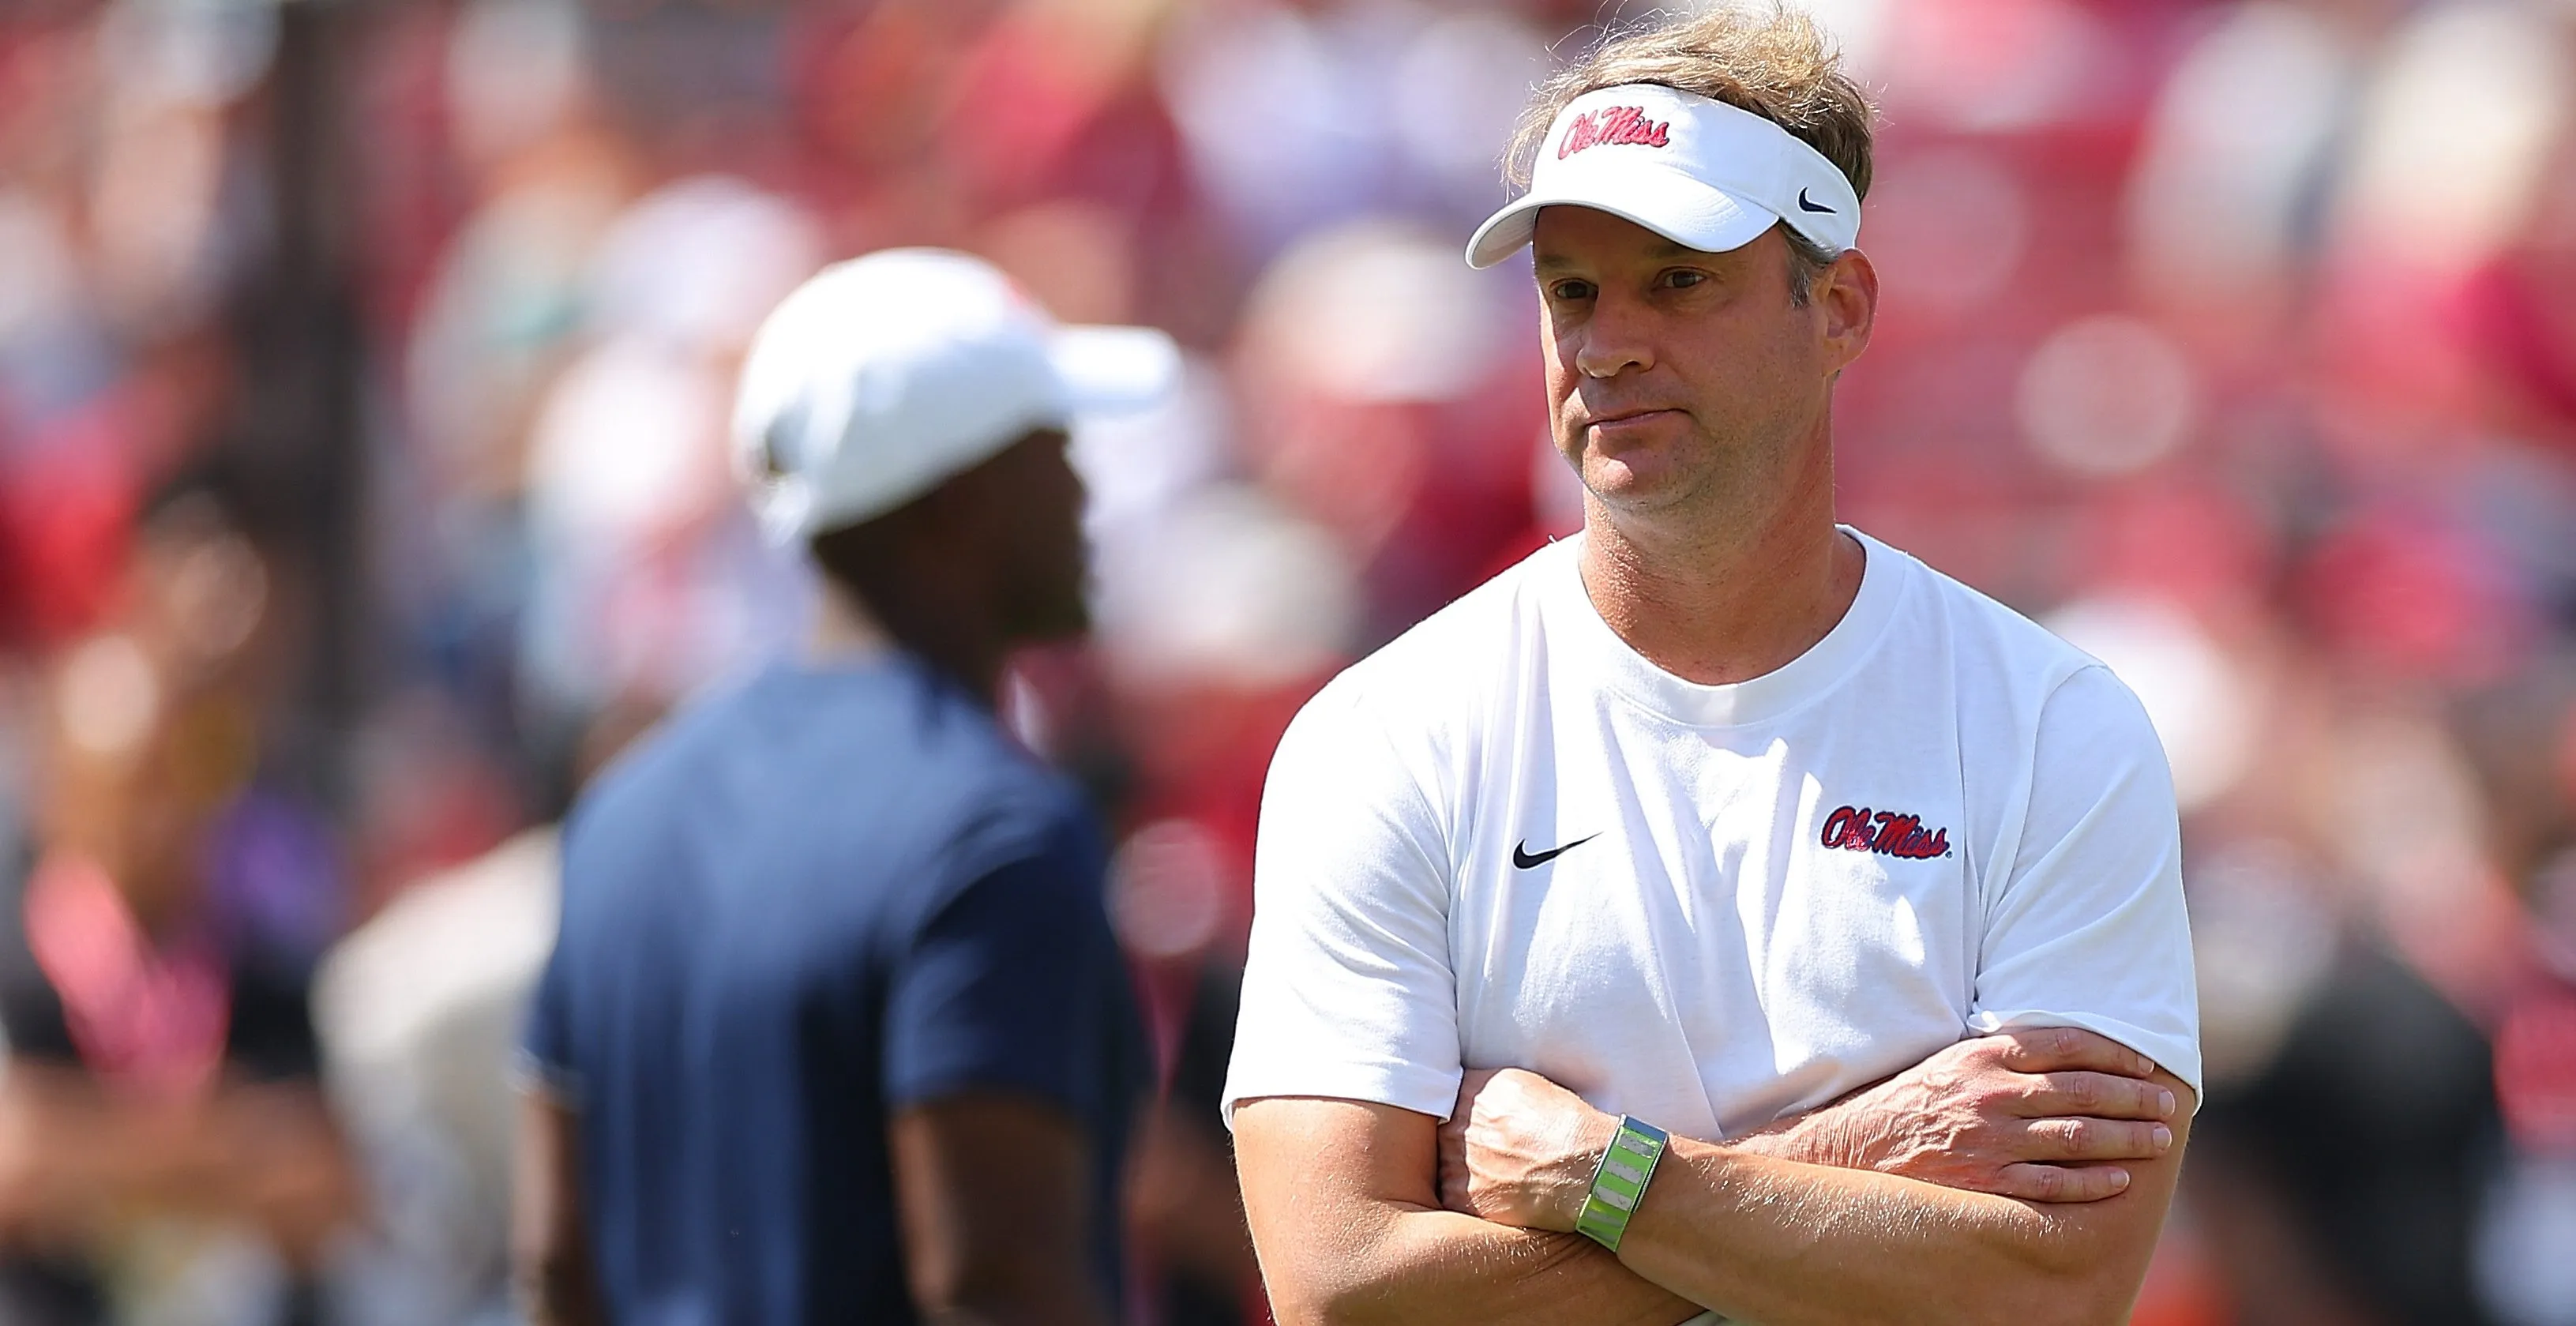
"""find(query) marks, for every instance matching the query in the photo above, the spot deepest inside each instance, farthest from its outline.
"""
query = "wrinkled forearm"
(1818, 1138)
(1788, 1243)
(1431, 1268)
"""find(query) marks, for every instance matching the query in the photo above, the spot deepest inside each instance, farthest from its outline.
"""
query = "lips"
(1624, 416)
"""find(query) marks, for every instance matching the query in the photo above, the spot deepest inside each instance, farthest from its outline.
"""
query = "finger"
(2062, 1183)
(2094, 1139)
(2060, 1049)
(2095, 1095)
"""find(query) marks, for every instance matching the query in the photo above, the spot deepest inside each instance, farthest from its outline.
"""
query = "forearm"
(1786, 1243)
(1808, 1139)
(1429, 1267)
(1023, 1296)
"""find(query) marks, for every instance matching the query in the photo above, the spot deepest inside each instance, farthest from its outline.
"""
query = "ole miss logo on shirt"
(1615, 124)
(1886, 833)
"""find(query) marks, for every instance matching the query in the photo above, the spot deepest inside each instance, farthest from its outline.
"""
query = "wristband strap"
(1620, 1181)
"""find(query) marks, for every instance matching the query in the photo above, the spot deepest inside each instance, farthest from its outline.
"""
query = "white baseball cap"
(882, 376)
(1696, 171)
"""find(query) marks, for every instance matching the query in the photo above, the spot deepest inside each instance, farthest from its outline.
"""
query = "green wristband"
(1620, 1181)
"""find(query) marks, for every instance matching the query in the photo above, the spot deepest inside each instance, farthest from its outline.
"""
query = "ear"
(1846, 294)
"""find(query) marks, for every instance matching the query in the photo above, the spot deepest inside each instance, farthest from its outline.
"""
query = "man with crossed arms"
(1720, 914)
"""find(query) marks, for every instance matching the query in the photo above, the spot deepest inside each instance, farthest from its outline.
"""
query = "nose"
(1614, 338)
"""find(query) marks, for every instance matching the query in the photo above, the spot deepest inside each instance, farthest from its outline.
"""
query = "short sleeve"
(1348, 990)
(1011, 984)
(2088, 929)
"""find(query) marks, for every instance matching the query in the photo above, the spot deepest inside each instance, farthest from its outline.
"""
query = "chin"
(1633, 480)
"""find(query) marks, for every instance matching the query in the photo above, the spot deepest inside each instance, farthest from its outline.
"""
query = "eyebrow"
(1663, 252)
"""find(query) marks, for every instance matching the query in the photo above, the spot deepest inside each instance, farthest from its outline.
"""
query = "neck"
(921, 621)
(1723, 596)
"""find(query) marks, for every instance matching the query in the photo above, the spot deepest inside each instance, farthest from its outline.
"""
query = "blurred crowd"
(364, 370)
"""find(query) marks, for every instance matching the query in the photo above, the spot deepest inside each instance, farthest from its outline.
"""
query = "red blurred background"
(363, 374)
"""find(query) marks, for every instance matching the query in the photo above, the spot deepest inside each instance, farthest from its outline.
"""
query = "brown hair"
(1767, 59)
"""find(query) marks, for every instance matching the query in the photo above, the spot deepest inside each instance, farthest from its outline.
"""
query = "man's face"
(1045, 559)
(1673, 374)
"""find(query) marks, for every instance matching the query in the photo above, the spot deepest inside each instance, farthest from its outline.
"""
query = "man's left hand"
(1520, 1150)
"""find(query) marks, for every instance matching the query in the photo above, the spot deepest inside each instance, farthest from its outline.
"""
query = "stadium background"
(2236, 341)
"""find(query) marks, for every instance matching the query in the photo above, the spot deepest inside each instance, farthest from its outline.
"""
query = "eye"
(1569, 290)
(1683, 278)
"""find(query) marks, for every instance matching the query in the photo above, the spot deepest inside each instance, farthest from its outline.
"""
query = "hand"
(2043, 1115)
(1520, 1150)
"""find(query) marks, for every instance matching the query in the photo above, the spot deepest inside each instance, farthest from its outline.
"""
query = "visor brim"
(1114, 370)
(1683, 210)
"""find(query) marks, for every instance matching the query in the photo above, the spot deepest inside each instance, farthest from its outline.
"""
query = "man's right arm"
(1346, 1219)
(1347, 1052)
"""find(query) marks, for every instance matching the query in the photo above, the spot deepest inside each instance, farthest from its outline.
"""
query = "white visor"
(1698, 172)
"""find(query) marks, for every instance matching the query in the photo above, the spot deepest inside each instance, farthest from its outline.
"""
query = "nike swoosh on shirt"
(1805, 206)
(1522, 858)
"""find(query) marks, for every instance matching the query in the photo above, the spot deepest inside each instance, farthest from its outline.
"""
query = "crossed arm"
(2020, 1177)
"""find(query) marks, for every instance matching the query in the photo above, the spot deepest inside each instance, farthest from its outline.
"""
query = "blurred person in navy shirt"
(835, 1028)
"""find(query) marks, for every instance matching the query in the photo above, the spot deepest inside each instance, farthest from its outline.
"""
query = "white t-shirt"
(1508, 840)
